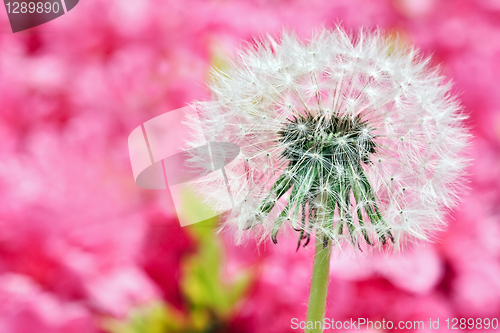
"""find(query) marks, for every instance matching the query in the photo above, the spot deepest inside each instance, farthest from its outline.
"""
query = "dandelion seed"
(329, 108)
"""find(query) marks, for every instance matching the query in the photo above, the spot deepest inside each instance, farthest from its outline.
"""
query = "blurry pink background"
(82, 248)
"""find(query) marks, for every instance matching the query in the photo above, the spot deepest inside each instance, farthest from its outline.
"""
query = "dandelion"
(352, 140)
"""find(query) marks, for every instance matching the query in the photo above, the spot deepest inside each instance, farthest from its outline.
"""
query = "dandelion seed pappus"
(354, 139)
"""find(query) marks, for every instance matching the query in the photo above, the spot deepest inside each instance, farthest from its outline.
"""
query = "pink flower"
(25, 308)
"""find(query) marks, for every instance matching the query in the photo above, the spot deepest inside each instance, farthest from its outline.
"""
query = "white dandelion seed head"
(354, 136)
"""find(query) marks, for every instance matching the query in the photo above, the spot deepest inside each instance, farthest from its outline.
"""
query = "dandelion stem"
(319, 286)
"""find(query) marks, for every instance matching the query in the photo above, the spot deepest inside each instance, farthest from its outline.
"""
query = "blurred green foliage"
(211, 298)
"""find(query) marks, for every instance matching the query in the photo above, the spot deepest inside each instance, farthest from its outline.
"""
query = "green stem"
(319, 286)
